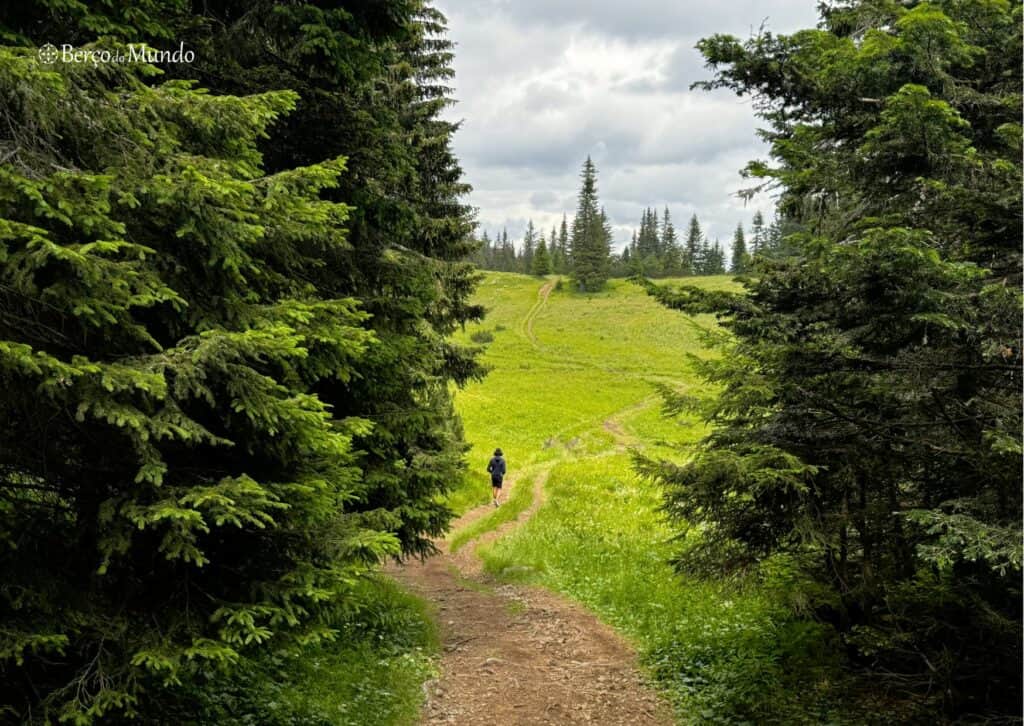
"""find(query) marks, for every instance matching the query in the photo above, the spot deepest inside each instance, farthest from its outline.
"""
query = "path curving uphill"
(542, 299)
(521, 655)
(514, 654)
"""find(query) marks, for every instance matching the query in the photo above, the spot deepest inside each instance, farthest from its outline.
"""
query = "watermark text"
(132, 53)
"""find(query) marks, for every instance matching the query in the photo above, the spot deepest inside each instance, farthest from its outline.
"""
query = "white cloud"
(542, 84)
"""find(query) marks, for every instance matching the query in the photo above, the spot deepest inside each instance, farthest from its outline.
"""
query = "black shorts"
(496, 482)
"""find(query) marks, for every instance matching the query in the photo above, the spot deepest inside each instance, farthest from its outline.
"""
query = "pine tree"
(541, 263)
(528, 248)
(868, 433)
(647, 238)
(508, 253)
(693, 263)
(590, 235)
(171, 474)
(564, 249)
(645, 255)
(671, 254)
(713, 262)
(758, 234)
(738, 261)
(656, 234)
(557, 263)
(234, 399)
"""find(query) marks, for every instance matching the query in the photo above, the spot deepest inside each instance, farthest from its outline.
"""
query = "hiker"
(496, 467)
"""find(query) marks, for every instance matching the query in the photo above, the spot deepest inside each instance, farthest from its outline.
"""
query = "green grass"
(576, 396)
(372, 674)
(595, 356)
(519, 500)
(724, 651)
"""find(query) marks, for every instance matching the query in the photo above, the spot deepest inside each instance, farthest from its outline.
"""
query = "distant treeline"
(654, 251)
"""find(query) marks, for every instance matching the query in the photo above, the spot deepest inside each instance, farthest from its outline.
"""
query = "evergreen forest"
(258, 344)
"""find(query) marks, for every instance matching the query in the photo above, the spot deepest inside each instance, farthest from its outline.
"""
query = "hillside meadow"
(571, 388)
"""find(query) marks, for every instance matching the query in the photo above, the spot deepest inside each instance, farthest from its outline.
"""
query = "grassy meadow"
(564, 386)
(570, 389)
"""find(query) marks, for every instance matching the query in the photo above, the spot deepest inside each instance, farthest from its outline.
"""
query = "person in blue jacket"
(496, 467)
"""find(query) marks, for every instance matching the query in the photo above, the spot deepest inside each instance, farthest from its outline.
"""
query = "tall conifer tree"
(870, 437)
(758, 233)
(557, 263)
(693, 252)
(590, 235)
(234, 398)
(672, 258)
(541, 263)
(739, 258)
(564, 247)
(528, 248)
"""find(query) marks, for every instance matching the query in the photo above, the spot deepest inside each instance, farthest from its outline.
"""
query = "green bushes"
(739, 656)
(372, 673)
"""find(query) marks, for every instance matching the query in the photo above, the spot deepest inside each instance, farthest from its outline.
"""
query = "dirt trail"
(613, 424)
(520, 655)
(542, 298)
(514, 654)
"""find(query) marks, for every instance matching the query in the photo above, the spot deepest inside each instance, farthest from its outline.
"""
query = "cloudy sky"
(543, 83)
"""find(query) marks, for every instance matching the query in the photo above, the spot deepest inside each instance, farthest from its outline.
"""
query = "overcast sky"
(541, 84)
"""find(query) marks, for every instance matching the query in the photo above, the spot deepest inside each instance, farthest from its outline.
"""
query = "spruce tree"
(528, 248)
(246, 406)
(758, 234)
(590, 236)
(484, 257)
(409, 229)
(693, 251)
(645, 255)
(564, 249)
(541, 263)
(554, 253)
(646, 239)
(713, 262)
(738, 261)
(656, 230)
(501, 252)
(671, 254)
(868, 433)
(177, 487)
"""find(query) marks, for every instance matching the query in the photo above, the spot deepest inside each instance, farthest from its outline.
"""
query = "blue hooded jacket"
(496, 467)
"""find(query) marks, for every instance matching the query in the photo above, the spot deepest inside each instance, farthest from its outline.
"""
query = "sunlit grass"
(518, 500)
(722, 650)
(577, 396)
(595, 356)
